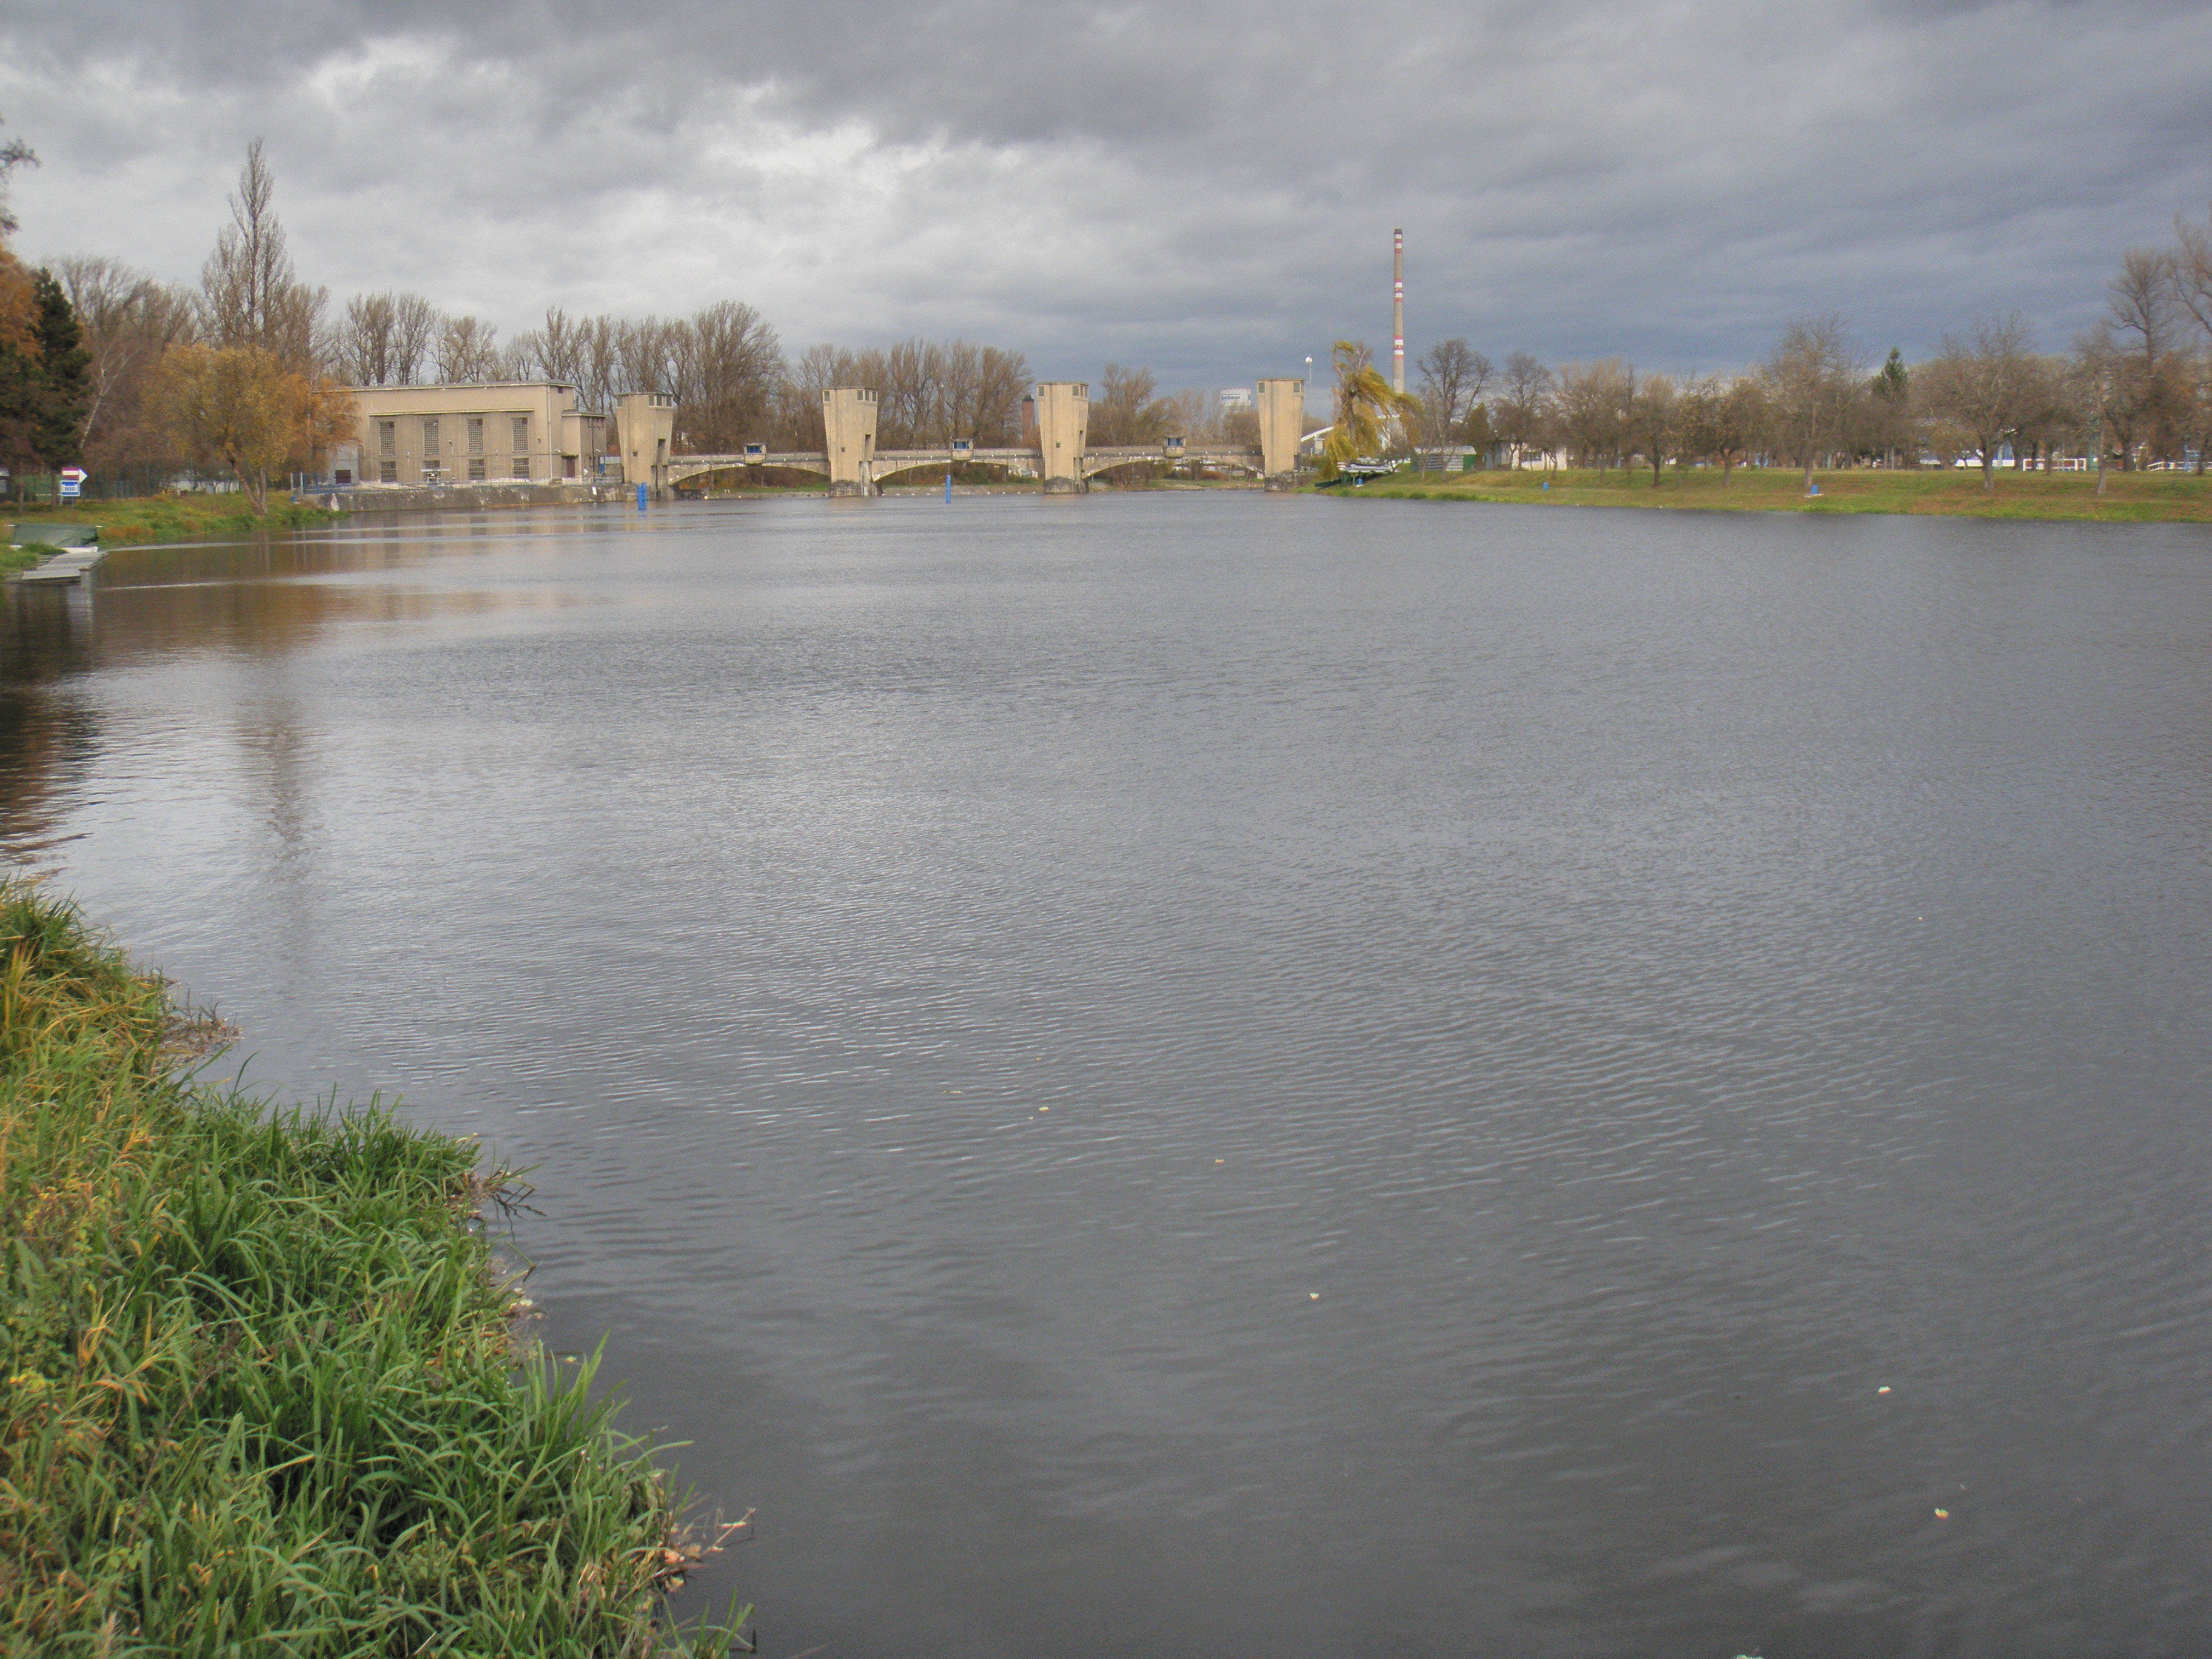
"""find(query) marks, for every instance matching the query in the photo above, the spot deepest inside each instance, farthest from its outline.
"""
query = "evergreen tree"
(1894, 383)
(61, 392)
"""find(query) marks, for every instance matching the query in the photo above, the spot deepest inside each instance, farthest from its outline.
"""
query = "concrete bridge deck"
(889, 463)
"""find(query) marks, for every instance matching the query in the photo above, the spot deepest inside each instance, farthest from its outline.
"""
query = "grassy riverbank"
(173, 518)
(2129, 498)
(260, 1378)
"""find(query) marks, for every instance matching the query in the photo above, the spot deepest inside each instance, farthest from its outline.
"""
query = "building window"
(429, 443)
(522, 466)
(387, 437)
(475, 435)
(568, 466)
(387, 472)
(475, 467)
(343, 476)
(521, 443)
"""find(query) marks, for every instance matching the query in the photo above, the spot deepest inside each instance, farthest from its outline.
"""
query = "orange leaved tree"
(250, 409)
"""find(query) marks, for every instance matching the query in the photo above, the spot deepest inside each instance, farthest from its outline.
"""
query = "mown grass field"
(2129, 498)
(262, 1392)
(172, 518)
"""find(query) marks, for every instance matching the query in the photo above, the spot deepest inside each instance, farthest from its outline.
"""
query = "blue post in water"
(641, 498)
(948, 490)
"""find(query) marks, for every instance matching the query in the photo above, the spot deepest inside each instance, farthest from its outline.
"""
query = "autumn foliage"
(248, 408)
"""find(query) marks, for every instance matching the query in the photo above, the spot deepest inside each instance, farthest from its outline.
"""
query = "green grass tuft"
(260, 1392)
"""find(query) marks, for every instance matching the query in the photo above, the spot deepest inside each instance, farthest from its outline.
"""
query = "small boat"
(54, 535)
(1358, 471)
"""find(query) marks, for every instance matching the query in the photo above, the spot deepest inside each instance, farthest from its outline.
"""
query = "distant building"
(430, 435)
(1235, 398)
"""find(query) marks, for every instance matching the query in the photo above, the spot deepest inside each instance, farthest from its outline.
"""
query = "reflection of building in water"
(527, 430)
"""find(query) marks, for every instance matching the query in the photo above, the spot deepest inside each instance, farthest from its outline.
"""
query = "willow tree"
(1366, 407)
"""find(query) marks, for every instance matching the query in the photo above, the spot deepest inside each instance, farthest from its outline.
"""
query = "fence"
(119, 484)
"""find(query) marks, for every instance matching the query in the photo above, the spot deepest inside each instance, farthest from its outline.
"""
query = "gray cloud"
(1206, 187)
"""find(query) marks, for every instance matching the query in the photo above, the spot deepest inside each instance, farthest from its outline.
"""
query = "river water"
(1239, 1076)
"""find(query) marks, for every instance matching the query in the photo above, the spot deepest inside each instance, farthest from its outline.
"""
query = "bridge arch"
(685, 469)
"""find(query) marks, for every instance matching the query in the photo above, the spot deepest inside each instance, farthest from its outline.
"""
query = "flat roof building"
(514, 430)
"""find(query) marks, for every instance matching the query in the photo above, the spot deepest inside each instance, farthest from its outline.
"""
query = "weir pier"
(1063, 460)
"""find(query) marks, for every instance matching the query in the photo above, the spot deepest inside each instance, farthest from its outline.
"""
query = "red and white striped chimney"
(1397, 311)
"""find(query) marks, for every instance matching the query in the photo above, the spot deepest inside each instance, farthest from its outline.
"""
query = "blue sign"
(72, 483)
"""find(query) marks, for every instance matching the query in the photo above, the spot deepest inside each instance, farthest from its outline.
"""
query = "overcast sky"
(1206, 187)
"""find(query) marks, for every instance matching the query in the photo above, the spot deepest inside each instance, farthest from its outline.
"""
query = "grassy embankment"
(172, 518)
(260, 1386)
(2129, 498)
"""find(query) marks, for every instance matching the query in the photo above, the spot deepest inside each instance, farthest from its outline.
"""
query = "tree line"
(2134, 389)
(726, 368)
(248, 368)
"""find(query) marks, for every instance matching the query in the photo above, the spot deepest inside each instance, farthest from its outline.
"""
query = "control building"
(513, 431)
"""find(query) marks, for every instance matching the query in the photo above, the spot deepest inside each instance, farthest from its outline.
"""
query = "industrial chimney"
(1398, 311)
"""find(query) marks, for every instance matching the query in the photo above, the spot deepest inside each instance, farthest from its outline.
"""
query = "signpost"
(72, 483)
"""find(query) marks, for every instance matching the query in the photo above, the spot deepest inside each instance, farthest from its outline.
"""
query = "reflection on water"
(1253, 1075)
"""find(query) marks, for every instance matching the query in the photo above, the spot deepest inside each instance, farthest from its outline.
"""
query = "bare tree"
(1191, 415)
(250, 294)
(728, 364)
(1989, 384)
(1125, 409)
(128, 321)
(2189, 269)
(650, 350)
(14, 154)
(599, 360)
(982, 396)
(929, 393)
(1524, 405)
(2140, 303)
(1721, 420)
(554, 352)
(1809, 382)
(2140, 309)
(469, 353)
(1592, 408)
(1655, 415)
(415, 324)
(2189, 373)
(365, 341)
(906, 393)
(815, 370)
(1454, 377)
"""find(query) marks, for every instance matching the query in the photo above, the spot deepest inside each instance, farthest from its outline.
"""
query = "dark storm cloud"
(1208, 187)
